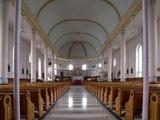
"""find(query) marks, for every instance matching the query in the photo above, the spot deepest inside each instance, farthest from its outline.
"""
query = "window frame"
(138, 60)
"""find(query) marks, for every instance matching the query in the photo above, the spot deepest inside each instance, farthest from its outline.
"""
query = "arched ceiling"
(78, 28)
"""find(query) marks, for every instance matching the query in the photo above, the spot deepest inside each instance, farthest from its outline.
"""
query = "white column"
(17, 37)
(57, 62)
(4, 26)
(102, 66)
(25, 61)
(110, 64)
(52, 66)
(46, 63)
(123, 57)
(145, 60)
(152, 32)
(33, 57)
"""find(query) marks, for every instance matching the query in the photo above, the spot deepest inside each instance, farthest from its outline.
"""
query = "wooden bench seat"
(41, 94)
(106, 95)
(26, 105)
(112, 96)
(46, 99)
(124, 96)
(51, 95)
(5, 107)
(121, 99)
(36, 98)
(134, 105)
(154, 106)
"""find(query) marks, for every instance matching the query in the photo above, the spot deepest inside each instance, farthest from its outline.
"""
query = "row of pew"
(35, 99)
(125, 99)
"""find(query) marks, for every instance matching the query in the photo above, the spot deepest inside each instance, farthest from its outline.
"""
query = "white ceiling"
(78, 28)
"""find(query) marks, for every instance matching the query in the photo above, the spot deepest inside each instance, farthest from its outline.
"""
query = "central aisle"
(78, 104)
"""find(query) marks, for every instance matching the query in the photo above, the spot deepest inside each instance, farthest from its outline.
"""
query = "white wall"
(116, 69)
(40, 55)
(24, 58)
(130, 59)
(10, 53)
(25, 50)
(131, 49)
(158, 47)
(131, 54)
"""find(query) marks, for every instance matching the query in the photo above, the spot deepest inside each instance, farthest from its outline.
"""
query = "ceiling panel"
(86, 23)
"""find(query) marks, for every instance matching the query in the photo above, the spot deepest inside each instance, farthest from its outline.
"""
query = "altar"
(77, 80)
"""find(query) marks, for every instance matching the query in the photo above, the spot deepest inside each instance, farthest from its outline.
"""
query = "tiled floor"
(78, 104)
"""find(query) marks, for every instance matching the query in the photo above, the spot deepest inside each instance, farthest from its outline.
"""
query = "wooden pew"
(112, 96)
(106, 95)
(154, 106)
(39, 96)
(134, 105)
(27, 110)
(46, 99)
(39, 92)
(129, 95)
(101, 93)
(135, 80)
(36, 98)
(50, 93)
(121, 99)
(26, 105)
(5, 107)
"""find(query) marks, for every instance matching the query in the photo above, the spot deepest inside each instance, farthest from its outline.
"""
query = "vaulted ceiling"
(78, 28)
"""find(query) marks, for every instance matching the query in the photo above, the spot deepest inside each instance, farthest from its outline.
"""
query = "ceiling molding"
(134, 9)
(69, 52)
(106, 1)
(114, 7)
(89, 45)
(76, 43)
(66, 60)
(78, 58)
(77, 33)
(84, 49)
(79, 20)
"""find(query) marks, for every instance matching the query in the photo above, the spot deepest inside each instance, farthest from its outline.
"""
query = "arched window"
(84, 67)
(70, 67)
(39, 69)
(55, 69)
(13, 60)
(30, 58)
(139, 60)
(114, 62)
(99, 65)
